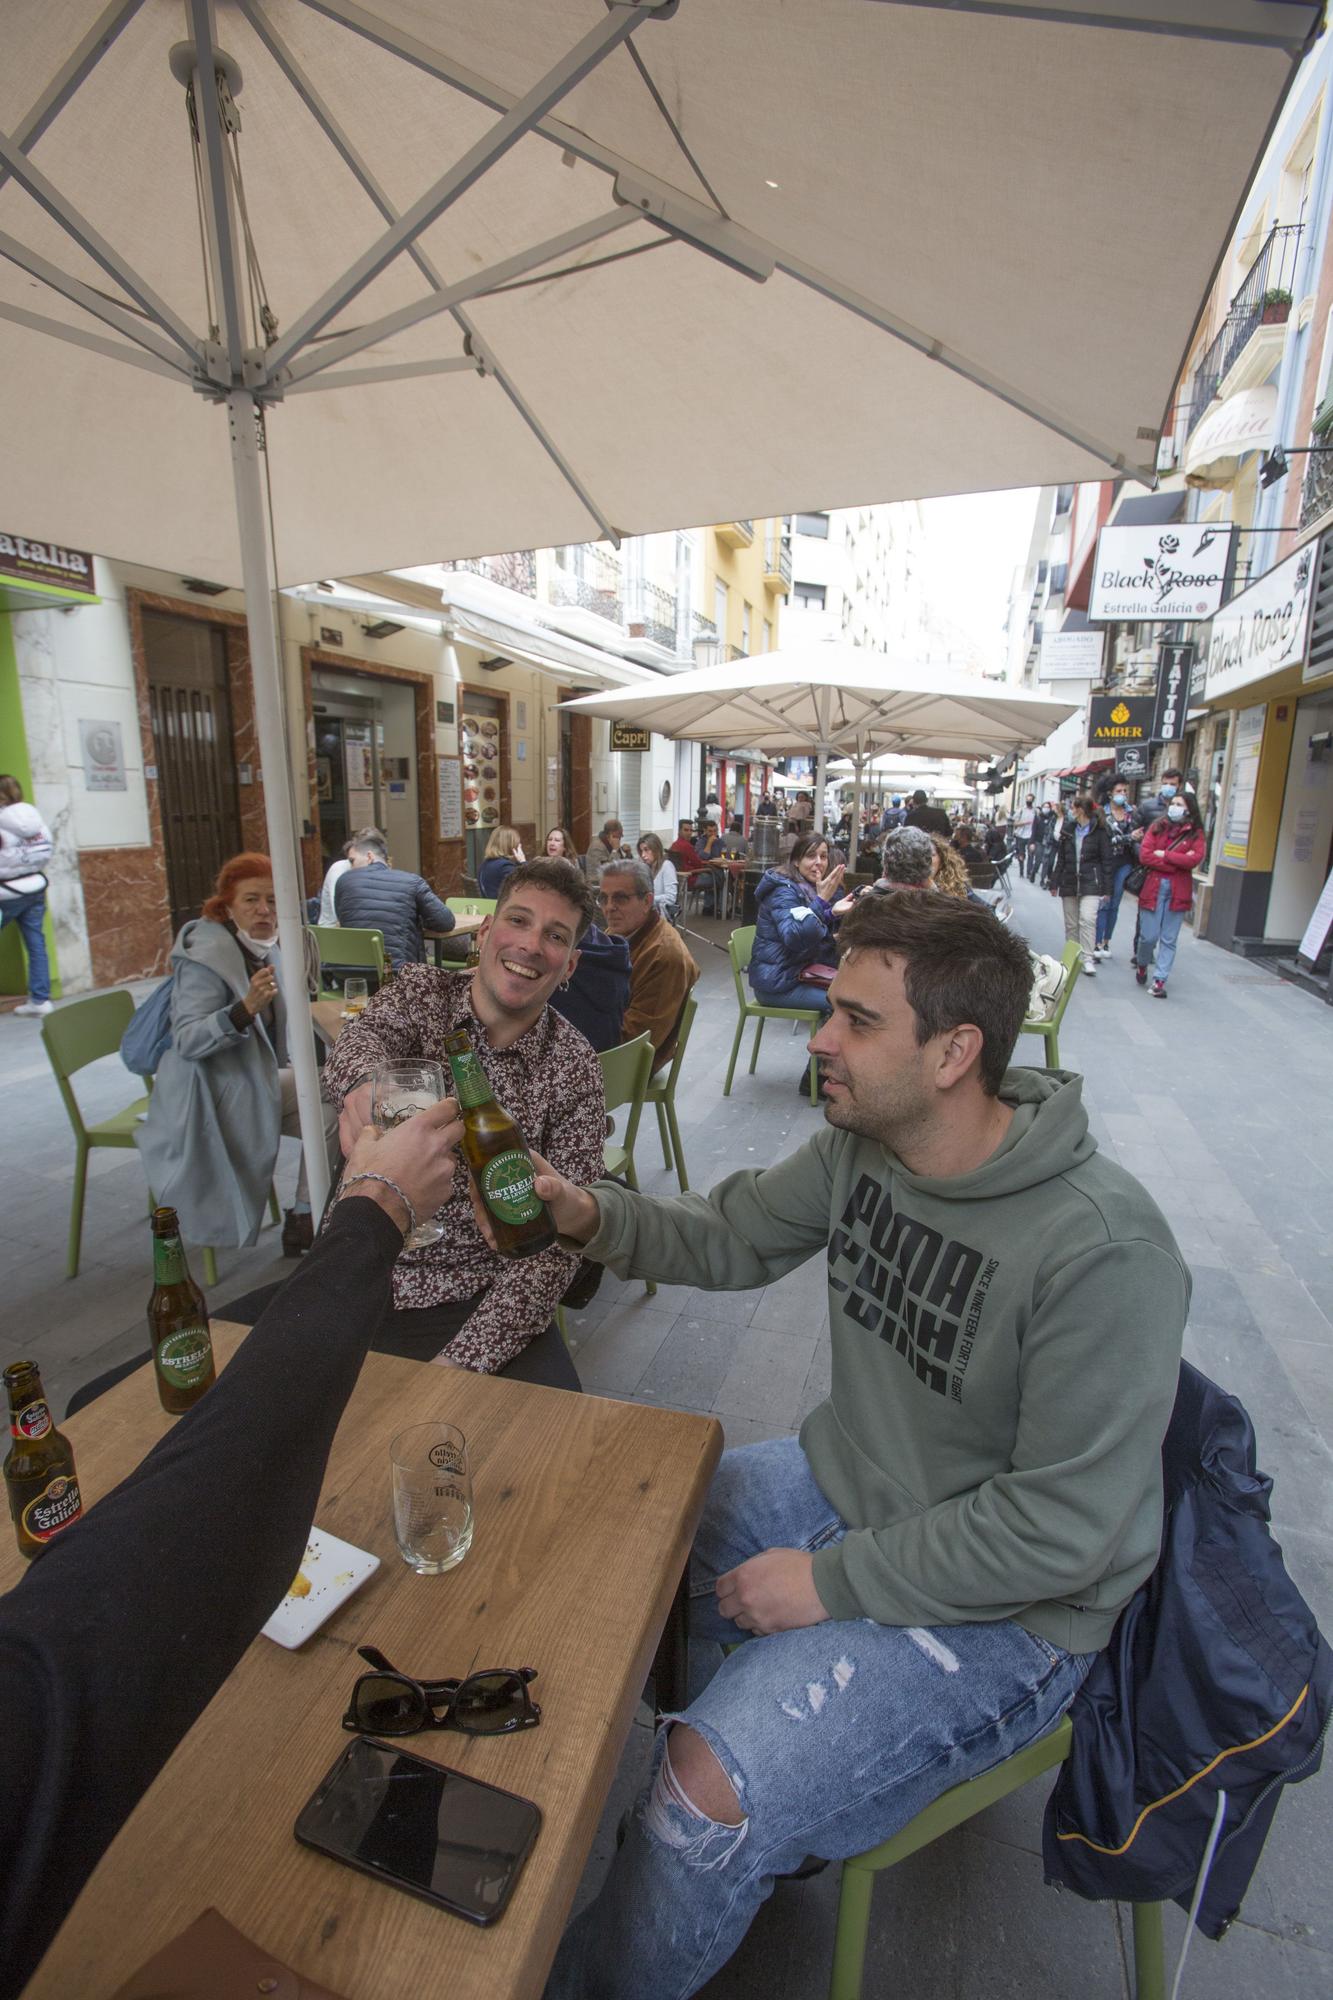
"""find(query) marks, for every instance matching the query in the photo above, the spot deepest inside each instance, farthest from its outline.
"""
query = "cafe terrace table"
(464, 926)
(585, 1511)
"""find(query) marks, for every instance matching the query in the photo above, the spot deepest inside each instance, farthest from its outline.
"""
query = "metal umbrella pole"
(259, 582)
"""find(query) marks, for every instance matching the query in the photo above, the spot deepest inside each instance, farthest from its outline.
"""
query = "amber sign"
(1120, 718)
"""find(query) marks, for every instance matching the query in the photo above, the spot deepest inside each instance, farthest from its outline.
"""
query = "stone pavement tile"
(1309, 1368)
(1196, 1246)
(1288, 1894)
(788, 1951)
(766, 1379)
(733, 1308)
(791, 1307)
(1290, 1447)
(1283, 1307)
(1247, 1964)
(621, 1349)
(692, 1363)
(1218, 1301)
(739, 1431)
(1019, 1939)
(1247, 1245)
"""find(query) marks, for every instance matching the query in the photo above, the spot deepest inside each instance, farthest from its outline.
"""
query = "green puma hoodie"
(1005, 1352)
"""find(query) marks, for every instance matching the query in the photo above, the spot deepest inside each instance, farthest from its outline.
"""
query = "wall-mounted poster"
(1244, 781)
(451, 799)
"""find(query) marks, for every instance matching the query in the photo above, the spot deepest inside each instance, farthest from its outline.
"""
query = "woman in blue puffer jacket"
(795, 924)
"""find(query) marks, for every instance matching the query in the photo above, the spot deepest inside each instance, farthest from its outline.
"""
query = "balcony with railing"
(1264, 300)
(1317, 491)
(777, 564)
(516, 572)
(650, 612)
(735, 534)
(596, 588)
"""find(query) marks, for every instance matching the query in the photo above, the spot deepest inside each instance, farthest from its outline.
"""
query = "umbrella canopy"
(536, 271)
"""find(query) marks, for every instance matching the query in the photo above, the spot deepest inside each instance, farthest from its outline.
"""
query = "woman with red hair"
(225, 1091)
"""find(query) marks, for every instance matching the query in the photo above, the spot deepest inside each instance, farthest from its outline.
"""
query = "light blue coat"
(210, 1142)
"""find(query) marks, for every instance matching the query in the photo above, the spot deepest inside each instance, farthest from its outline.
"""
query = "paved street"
(1218, 1101)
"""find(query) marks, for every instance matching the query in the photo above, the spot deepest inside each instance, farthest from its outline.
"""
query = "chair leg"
(1149, 1953)
(210, 1265)
(677, 1148)
(76, 1211)
(758, 1037)
(664, 1133)
(633, 1180)
(849, 1943)
(274, 1211)
(735, 1051)
(1052, 1041)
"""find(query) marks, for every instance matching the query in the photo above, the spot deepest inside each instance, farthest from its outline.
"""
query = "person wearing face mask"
(225, 1091)
(1081, 872)
(1122, 835)
(1171, 850)
(1148, 810)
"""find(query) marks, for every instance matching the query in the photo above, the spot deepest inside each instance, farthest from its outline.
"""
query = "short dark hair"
(960, 965)
(918, 798)
(11, 791)
(807, 844)
(371, 843)
(1173, 771)
(563, 878)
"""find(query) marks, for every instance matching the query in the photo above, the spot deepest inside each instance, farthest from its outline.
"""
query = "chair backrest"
(82, 1032)
(688, 1013)
(482, 906)
(341, 947)
(625, 1074)
(740, 949)
(1072, 959)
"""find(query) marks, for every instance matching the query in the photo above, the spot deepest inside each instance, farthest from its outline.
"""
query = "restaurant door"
(196, 770)
(366, 763)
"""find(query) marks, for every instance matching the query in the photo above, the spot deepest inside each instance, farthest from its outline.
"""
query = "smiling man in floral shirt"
(457, 1302)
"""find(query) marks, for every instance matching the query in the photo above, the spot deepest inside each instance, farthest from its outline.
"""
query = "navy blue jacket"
(492, 873)
(1216, 1678)
(390, 900)
(597, 995)
(793, 928)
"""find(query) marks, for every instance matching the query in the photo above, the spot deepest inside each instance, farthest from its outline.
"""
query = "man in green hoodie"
(929, 1570)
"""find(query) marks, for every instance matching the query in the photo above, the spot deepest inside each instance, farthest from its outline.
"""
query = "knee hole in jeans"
(674, 1819)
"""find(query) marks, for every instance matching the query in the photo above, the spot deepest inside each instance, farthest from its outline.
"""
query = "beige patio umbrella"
(827, 699)
(292, 289)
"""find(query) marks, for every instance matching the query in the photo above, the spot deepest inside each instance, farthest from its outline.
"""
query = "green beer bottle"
(177, 1321)
(497, 1154)
(40, 1479)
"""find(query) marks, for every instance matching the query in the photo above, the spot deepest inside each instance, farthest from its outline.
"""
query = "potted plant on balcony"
(1276, 304)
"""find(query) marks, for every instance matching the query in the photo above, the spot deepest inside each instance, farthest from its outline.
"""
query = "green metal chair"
(625, 1074)
(350, 951)
(945, 1813)
(76, 1034)
(1049, 1030)
(741, 948)
(662, 1093)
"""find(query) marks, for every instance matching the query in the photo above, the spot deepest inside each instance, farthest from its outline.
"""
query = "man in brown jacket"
(662, 970)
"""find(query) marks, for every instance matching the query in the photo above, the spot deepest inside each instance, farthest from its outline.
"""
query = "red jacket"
(1170, 853)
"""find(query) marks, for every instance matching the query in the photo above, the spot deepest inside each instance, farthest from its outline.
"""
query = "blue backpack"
(148, 1037)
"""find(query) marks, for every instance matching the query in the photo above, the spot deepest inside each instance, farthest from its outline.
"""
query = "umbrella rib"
(674, 129)
(1137, 18)
(67, 80)
(361, 172)
(90, 240)
(79, 294)
(591, 50)
(80, 337)
(401, 371)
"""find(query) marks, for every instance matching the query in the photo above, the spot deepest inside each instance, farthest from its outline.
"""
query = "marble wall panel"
(125, 893)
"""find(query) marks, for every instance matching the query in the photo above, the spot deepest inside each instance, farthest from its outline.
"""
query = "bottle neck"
(168, 1261)
(470, 1085)
(29, 1414)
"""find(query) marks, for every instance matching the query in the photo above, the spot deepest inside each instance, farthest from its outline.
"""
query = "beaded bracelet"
(394, 1188)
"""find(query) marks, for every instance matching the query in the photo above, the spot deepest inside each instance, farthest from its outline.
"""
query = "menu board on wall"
(1244, 779)
(451, 799)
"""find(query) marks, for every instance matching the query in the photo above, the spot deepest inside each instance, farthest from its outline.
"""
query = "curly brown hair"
(952, 879)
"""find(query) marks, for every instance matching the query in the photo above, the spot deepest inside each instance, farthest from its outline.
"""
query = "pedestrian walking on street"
(25, 845)
(1123, 836)
(1081, 873)
(1050, 825)
(1171, 850)
(1025, 820)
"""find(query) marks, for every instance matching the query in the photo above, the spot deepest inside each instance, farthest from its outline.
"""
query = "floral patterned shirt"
(550, 1082)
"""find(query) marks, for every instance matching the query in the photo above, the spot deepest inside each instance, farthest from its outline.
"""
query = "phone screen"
(428, 1829)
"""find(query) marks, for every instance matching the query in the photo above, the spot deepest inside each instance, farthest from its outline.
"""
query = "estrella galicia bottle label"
(185, 1356)
(33, 1421)
(469, 1080)
(507, 1184)
(57, 1504)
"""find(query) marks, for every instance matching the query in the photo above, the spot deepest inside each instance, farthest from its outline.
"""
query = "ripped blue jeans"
(832, 1737)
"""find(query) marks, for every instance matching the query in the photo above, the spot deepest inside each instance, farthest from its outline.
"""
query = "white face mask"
(1175, 812)
(259, 947)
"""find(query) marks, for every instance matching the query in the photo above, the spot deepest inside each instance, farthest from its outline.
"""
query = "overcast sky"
(974, 543)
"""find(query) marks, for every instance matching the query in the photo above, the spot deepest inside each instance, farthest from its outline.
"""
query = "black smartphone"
(438, 1834)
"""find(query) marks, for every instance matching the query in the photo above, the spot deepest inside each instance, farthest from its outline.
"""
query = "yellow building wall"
(742, 570)
(1274, 755)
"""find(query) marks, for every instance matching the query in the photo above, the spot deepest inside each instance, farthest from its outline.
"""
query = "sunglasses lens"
(486, 1703)
(387, 1706)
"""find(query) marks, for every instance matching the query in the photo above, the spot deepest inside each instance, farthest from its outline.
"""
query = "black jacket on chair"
(1085, 873)
(1216, 1680)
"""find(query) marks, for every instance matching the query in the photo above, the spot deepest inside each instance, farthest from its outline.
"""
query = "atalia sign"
(1167, 573)
(1119, 718)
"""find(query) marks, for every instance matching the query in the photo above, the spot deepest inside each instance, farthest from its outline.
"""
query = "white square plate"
(335, 1570)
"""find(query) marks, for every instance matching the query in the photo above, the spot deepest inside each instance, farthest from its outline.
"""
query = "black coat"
(1081, 874)
(930, 819)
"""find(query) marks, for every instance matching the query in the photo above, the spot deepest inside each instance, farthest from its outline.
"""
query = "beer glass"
(432, 1497)
(399, 1091)
(355, 994)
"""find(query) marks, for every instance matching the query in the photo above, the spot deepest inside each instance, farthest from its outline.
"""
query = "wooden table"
(464, 926)
(585, 1512)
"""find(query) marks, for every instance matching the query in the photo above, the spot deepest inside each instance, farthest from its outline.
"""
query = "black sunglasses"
(492, 1703)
